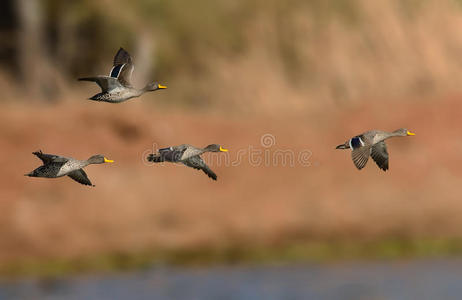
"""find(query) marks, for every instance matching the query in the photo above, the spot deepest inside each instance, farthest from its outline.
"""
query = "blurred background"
(260, 78)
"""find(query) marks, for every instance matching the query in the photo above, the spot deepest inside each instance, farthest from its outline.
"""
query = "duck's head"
(403, 132)
(154, 86)
(215, 148)
(99, 159)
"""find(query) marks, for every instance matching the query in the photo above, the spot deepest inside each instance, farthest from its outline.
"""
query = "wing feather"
(122, 57)
(49, 158)
(80, 176)
(197, 163)
(360, 156)
(123, 67)
(379, 154)
(170, 154)
(106, 83)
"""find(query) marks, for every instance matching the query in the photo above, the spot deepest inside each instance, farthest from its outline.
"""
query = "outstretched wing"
(197, 163)
(122, 57)
(360, 156)
(123, 67)
(379, 154)
(49, 158)
(80, 176)
(106, 83)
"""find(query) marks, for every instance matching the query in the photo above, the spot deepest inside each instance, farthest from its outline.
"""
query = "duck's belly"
(114, 96)
(68, 167)
(190, 152)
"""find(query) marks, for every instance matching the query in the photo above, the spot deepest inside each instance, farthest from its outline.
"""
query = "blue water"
(418, 279)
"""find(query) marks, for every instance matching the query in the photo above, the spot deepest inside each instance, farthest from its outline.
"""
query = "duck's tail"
(343, 146)
(155, 158)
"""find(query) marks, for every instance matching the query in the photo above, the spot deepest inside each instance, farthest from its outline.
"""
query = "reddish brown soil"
(136, 206)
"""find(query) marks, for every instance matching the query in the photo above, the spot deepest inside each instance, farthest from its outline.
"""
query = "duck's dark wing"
(379, 154)
(106, 83)
(171, 154)
(123, 67)
(122, 57)
(360, 156)
(48, 170)
(197, 163)
(50, 158)
(80, 176)
(166, 154)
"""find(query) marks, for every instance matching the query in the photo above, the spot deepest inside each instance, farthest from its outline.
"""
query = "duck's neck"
(147, 88)
(85, 163)
(207, 149)
(141, 91)
(397, 132)
(90, 161)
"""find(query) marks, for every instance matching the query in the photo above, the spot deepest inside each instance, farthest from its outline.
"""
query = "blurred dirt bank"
(306, 74)
(135, 206)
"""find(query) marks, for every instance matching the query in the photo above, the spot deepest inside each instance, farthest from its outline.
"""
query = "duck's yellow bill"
(410, 133)
(108, 160)
(223, 149)
(160, 86)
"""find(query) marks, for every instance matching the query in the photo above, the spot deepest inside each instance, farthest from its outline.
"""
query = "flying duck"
(187, 155)
(116, 87)
(371, 143)
(55, 166)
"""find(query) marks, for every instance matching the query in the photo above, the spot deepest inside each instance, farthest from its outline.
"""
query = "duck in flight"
(187, 155)
(55, 166)
(371, 143)
(116, 87)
